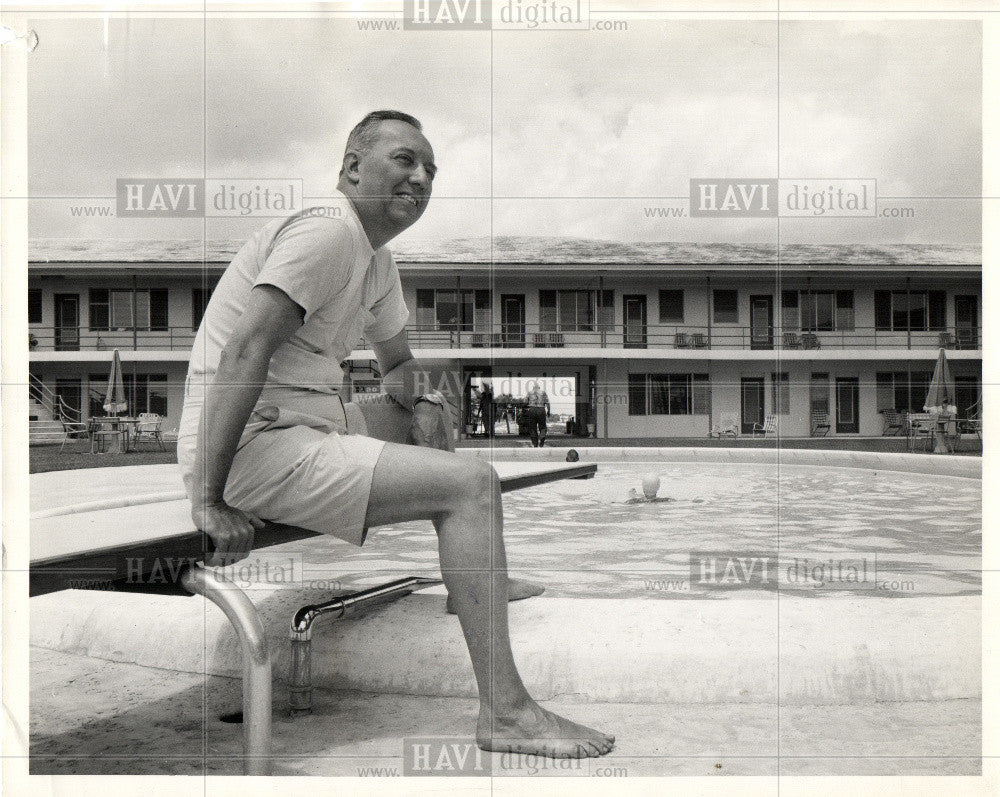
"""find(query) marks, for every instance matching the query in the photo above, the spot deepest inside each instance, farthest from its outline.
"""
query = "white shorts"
(307, 463)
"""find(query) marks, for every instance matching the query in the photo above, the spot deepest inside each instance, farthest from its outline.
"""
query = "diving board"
(82, 537)
(77, 537)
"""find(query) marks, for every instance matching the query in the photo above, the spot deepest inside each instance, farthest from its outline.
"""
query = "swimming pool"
(729, 530)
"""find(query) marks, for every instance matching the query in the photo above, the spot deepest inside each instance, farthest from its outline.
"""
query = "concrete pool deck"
(685, 685)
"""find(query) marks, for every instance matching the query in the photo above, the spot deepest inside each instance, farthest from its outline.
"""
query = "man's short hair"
(364, 133)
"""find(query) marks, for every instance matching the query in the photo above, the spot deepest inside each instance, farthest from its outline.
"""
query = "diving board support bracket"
(243, 616)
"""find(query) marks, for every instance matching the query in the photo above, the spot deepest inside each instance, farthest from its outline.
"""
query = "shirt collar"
(355, 221)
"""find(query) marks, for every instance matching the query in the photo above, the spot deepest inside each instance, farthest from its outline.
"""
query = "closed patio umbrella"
(114, 399)
(941, 392)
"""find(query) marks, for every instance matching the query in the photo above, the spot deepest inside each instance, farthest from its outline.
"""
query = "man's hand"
(230, 529)
(432, 426)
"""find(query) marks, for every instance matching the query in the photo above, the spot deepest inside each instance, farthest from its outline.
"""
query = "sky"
(535, 133)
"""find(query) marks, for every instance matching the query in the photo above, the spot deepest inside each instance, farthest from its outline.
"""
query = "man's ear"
(350, 170)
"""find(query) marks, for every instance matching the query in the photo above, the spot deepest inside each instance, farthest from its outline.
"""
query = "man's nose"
(420, 176)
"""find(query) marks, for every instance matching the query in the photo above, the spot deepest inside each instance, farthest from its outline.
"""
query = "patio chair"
(973, 424)
(698, 340)
(770, 426)
(102, 431)
(728, 426)
(810, 341)
(148, 429)
(496, 340)
(478, 340)
(681, 341)
(892, 423)
(967, 339)
(920, 429)
(73, 431)
(820, 426)
(790, 340)
(539, 340)
(946, 340)
(556, 340)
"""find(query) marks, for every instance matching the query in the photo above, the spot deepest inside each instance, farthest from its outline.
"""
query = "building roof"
(532, 251)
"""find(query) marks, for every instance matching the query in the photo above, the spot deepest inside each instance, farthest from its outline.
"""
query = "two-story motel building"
(658, 340)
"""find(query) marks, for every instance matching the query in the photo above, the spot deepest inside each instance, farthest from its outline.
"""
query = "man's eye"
(405, 158)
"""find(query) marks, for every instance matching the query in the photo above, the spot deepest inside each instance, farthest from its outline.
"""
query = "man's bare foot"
(533, 730)
(517, 589)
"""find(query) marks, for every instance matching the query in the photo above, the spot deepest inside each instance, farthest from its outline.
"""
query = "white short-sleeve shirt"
(326, 265)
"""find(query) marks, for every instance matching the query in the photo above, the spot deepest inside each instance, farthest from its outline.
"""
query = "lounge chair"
(770, 426)
(73, 431)
(820, 426)
(810, 341)
(892, 423)
(148, 429)
(681, 341)
(790, 340)
(920, 429)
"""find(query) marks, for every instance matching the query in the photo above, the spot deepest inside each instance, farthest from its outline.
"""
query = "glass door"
(751, 403)
(512, 320)
(761, 322)
(848, 398)
(67, 307)
(634, 308)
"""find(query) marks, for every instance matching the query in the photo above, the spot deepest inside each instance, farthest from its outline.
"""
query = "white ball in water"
(650, 485)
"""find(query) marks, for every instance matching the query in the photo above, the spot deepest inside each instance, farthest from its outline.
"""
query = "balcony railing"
(631, 336)
(684, 336)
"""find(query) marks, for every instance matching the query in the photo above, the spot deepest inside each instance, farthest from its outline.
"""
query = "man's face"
(396, 174)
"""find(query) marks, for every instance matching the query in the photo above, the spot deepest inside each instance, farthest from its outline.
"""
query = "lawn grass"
(76, 455)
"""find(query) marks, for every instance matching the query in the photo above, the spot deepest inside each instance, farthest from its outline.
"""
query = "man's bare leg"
(386, 420)
(461, 495)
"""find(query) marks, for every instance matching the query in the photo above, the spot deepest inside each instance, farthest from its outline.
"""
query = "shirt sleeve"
(389, 313)
(310, 259)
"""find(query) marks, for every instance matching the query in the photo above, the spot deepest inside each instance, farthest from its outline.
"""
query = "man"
(537, 413)
(486, 408)
(265, 434)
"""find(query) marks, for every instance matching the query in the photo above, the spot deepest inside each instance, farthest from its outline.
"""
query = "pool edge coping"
(928, 464)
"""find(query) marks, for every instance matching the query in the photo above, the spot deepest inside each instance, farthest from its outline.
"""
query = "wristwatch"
(433, 398)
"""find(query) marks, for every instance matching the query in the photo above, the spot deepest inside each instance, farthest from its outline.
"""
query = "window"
(790, 310)
(637, 394)
(916, 311)
(606, 311)
(845, 310)
(569, 311)
(144, 392)
(900, 391)
(112, 309)
(668, 394)
(99, 309)
(817, 310)
(199, 301)
(780, 400)
(34, 306)
(672, 307)
(442, 308)
(725, 307)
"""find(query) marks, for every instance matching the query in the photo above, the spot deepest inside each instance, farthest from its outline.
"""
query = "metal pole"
(256, 663)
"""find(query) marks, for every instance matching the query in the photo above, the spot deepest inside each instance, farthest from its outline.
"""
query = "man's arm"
(269, 321)
(405, 379)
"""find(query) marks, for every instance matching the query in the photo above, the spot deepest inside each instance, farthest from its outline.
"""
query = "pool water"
(728, 531)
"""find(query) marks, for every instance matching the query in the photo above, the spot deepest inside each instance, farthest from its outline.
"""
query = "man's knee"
(476, 481)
